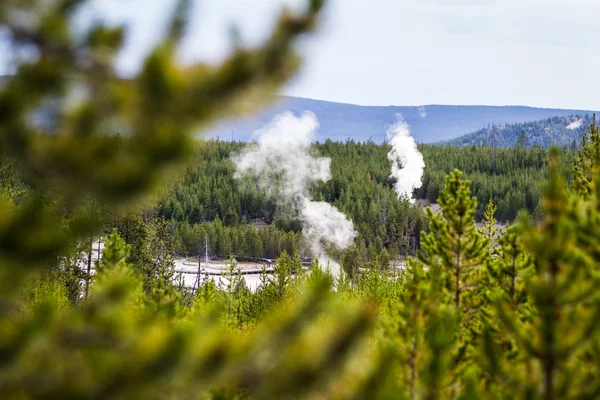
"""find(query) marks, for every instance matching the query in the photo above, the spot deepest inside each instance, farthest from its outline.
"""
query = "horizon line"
(437, 104)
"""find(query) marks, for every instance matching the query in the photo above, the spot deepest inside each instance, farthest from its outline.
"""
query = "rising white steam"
(282, 166)
(407, 161)
(321, 220)
(422, 112)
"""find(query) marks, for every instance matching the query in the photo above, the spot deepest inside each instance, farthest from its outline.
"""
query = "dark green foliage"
(360, 187)
(157, 110)
(510, 265)
(489, 228)
(523, 141)
(514, 183)
(115, 252)
(454, 243)
(587, 161)
(439, 338)
(152, 247)
(351, 261)
(564, 303)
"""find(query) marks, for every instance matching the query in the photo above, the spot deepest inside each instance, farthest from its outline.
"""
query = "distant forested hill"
(340, 121)
(559, 131)
(429, 124)
(208, 199)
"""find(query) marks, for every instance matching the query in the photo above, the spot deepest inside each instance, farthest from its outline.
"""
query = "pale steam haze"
(280, 161)
(407, 161)
(322, 221)
(282, 166)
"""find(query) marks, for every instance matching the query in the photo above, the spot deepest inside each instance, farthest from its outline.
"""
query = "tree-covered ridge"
(556, 131)
(428, 123)
(510, 177)
(479, 314)
(206, 202)
(360, 187)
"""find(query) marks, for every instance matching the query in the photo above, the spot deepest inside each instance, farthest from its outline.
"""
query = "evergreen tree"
(351, 261)
(563, 290)
(489, 228)
(511, 263)
(384, 259)
(114, 254)
(296, 266)
(454, 241)
(282, 273)
(587, 162)
(134, 231)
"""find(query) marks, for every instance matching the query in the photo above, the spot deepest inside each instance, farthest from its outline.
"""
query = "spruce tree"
(454, 241)
(282, 274)
(352, 262)
(587, 162)
(424, 359)
(114, 254)
(565, 307)
(511, 265)
(489, 228)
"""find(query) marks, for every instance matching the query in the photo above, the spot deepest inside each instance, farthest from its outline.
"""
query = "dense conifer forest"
(208, 201)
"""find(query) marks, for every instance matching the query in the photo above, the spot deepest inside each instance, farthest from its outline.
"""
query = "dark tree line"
(510, 177)
(360, 187)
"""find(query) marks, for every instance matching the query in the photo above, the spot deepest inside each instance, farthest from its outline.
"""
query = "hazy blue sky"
(408, 52)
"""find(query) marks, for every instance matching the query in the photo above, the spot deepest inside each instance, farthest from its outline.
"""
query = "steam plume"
(282, 166)
(407, 161)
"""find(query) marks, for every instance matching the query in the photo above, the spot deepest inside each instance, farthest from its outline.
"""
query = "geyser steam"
(282, 166)
(407, 161)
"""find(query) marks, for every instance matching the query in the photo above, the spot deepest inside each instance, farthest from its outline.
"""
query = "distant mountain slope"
(340, 121)
(558, 131)
(429, 124)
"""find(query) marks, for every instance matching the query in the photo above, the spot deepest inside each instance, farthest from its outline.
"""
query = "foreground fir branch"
(156, 112)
